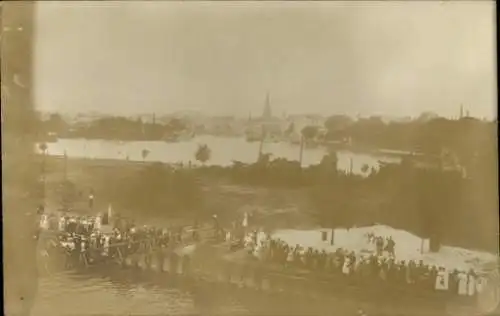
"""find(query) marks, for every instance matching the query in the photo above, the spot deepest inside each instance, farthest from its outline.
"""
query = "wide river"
(78, 294)
(223, 152)
(73, 294)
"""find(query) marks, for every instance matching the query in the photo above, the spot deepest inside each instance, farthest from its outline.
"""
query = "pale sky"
(371, 58)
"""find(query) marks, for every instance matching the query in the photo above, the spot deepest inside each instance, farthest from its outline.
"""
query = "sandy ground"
(408, 246)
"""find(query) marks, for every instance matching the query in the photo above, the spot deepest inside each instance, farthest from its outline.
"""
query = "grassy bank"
(426, 203)
(280, 207)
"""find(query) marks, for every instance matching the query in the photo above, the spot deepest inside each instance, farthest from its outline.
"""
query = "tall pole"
(301, 153)
(43, 176)
(43, 149)
(261, 145)
(65, 166)
(65, 192)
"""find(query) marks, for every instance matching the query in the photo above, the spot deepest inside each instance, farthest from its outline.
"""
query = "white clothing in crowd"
(248, 242)
(471, 285)
(480, 284)
(245, 220)
(106, 246)
(261, 237)
(110, 212)
(62, 224)
(44, 222)
(346, 269)
(98, 222)
(70, 245)
(442, 280)
(462, 283)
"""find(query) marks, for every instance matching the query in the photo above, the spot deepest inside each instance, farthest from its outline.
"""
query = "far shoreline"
(327, 145)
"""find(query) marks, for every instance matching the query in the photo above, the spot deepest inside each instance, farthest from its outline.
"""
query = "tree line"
(468, 141)
(112, 128)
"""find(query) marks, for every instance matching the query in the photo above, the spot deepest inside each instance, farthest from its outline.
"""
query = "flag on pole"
(245, 220)
(98, 222)
(110, 212)
(91, 199)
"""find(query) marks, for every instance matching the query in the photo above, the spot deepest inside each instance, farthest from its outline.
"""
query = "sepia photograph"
(221, 158)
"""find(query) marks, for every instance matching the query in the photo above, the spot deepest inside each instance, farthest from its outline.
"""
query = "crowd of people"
(85, 241)
(378, 266)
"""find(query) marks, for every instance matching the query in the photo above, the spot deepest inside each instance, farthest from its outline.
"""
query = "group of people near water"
(84, 239)
(378, 266)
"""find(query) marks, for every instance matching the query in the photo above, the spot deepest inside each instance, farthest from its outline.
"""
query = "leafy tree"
(434, 136)
(310, 132)
(330, 160)
(145, 153)
(427, 116)
(338, 122)
(176, 125)
(42, 147)
(55, 123)
(325, 172)
(264, 159)
(365, 168)
(203, 153)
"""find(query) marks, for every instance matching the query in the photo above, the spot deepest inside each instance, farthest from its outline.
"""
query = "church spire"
(267, 108)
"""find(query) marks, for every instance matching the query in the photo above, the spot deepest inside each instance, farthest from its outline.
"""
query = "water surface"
(223, 152)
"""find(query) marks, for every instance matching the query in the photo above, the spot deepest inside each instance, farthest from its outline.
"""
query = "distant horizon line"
(97, 113)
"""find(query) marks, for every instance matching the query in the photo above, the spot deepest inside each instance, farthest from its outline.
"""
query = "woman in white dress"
(480, 284)
(98, 222)
(442, 280)
(462, 283)
(62, 224)
(471, 283)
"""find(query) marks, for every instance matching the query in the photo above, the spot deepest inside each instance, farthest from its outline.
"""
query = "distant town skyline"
(367, 58)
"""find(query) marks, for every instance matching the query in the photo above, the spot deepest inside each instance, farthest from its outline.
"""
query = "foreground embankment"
(214, 274)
